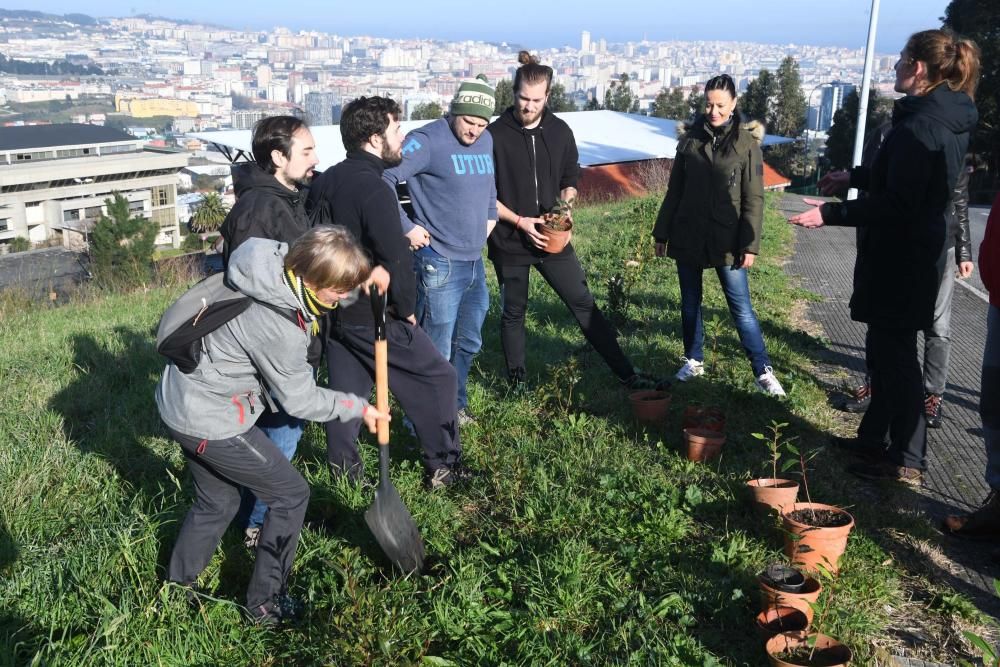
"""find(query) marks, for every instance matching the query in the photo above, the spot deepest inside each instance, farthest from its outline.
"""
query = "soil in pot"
(711, 419)
(793, 650)
(815, 535)
(650, 406)
(772, 494)
(783, 578)
(703, 445)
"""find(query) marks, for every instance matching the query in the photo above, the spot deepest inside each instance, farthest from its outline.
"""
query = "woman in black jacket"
(900, 258)
(711, 218)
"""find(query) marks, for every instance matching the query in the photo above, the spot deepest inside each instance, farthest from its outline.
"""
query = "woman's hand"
(810, 219)
(660, 249)
(745, 261)
(372, 416)
(965, 269)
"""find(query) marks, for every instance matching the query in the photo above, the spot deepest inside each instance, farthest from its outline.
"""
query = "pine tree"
(671, 104)
(121, 246)
(558, 100)
(426, 111)
(757, 100)
(619, 96)
(788, 118)
(504, 95)
(840, 138)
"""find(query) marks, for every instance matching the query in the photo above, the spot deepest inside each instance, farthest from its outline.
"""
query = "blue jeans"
(737, 290)
(989, 398)
(285, 431)
(452, 302)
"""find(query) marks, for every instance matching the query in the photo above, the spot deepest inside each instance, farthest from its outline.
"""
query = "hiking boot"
(982, 524)
(251, 536)
(932, 409)
(691, 368)
(280, 610)
(887, 471)
(466, 417)
(769, 384)
(644, 382)
(450, 476)
(517, 382)
(859, 448)
(861, 400)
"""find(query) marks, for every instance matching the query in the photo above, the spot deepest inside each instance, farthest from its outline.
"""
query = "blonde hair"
(328, 256)
(950, 59)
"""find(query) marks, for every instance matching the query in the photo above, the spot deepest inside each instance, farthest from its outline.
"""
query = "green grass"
(588, 541)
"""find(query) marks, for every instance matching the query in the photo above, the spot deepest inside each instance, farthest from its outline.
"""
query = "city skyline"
(801, 22)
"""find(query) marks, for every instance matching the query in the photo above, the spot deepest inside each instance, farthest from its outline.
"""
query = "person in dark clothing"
(901, 259)
(423, 381)
(711, 218)
(210, 411)
(270, 204)
(536, 163)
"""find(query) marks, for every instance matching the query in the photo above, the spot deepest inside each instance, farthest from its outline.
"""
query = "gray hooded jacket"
(223, 396)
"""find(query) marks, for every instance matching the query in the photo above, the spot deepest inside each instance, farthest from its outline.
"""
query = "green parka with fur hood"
(714, 207)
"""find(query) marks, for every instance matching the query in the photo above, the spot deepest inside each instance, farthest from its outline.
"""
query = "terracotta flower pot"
(696, 416)
(703, 444)
(809, 546)
(557, 240)
(775, 620)
(772, 494)
(829, 652)
(649, 406)
(803, 600)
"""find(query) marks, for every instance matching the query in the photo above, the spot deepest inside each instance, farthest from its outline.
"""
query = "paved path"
(824, 259)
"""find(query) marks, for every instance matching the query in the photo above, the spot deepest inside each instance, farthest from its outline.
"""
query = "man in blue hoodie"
(448, 166)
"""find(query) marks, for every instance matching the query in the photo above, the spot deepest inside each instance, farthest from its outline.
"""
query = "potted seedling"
(805, 649)
(709, 418)
(557, 225)
(649, 406)
(815, 534)
(771, 493)
(702, 444)
(784, 586)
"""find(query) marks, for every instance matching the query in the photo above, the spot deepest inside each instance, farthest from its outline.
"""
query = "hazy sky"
(539, 24)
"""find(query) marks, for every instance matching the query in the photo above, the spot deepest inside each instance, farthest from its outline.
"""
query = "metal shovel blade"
(392, 525)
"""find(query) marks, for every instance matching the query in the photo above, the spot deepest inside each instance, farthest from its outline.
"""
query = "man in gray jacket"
(211, 412)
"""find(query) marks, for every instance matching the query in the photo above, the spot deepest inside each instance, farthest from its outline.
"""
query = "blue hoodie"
(453, 188)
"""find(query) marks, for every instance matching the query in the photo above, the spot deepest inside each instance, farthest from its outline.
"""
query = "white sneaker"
(769, 384)
(691, 368)
(251, 536)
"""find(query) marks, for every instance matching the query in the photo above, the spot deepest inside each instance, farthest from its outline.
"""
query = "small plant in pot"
(708, 418)
(815, 534)
(772, 493)
(557, 225)
(805, 649)
(650, 406)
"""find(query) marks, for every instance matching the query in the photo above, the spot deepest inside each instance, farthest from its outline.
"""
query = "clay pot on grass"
(772, 494)
(773, 594)
(792, 649)
(815, 535)
(776, 620)
(703, 444)
(557, 239)
(650, 406)
(696, 416)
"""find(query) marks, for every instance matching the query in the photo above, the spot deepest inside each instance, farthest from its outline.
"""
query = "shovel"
(388, 518)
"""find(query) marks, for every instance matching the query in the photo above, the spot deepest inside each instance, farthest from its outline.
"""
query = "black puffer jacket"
(910, 186)
(264, 209)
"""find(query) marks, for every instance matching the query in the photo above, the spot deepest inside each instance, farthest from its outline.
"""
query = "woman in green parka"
(711, 218)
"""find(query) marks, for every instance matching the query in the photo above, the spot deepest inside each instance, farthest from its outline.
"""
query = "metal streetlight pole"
(805, 151)
(859, 136)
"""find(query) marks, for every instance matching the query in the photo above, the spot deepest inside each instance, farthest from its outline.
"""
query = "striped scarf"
(311, 307)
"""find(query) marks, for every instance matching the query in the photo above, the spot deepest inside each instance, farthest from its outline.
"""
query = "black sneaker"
(643, 381)
(516, 380)
(450, 476)
(933, 409)
(887, 471)
(280, 610)
(861, 400)
(858, 447)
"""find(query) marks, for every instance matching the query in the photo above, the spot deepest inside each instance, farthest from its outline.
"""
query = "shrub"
(121, 247)
(19, 244)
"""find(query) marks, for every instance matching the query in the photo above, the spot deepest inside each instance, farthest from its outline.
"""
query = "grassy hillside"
(589, 540)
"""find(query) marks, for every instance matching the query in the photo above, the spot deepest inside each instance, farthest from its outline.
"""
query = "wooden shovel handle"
(382, 388)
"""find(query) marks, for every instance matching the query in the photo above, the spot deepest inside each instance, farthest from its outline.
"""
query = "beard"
(390, 157)
(305, 180)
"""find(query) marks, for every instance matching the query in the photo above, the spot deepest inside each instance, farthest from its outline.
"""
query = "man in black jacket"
(535, 158)
(355, 196)
(270, 204)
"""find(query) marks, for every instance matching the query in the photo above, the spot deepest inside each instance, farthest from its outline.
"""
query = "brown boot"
(982, 524)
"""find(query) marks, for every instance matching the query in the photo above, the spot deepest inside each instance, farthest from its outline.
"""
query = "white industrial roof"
(602, 137)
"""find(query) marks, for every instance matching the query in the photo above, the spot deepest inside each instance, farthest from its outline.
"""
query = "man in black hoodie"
(535, 158)
(355, 196)
(270, 204)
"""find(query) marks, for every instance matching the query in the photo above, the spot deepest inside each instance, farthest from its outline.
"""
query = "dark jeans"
(897, 406)
(989, 399)
(564, 274)
(421, 379)
(736, 288)
(220, 468)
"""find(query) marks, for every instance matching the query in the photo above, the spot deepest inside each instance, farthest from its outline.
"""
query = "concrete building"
(54, 180)
(833, 98)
